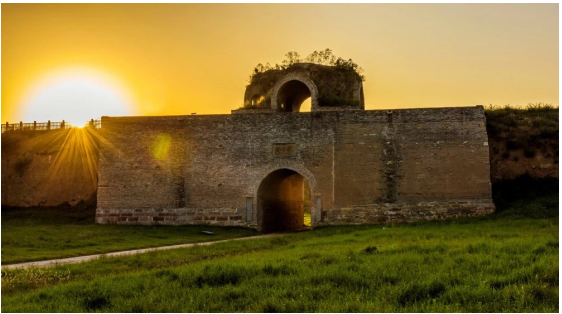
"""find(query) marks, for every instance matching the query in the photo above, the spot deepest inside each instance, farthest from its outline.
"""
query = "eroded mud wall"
(49, 168)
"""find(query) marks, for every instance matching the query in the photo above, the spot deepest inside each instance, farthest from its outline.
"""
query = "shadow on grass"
(526, 197)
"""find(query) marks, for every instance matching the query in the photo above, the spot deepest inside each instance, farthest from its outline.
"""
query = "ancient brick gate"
(247, 168)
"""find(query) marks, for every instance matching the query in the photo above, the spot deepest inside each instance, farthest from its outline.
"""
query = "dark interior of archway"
(254, 100)
(291, 96)
(257, 100)
(281, 202)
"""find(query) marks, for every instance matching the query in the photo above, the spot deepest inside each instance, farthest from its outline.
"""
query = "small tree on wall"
(323, 57)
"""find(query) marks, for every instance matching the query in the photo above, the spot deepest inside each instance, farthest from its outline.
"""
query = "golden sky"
(169, 59)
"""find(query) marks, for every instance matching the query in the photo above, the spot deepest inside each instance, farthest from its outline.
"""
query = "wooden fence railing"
(45, 126)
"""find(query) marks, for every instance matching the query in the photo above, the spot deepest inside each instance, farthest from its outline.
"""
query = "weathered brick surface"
(408, 211)
(364, 166)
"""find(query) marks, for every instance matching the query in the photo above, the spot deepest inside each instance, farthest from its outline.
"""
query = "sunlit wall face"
(183, 58)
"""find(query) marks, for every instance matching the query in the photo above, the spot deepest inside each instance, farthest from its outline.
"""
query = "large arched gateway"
(283, 202)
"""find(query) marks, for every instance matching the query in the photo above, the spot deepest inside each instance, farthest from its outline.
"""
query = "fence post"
(92, 123)
(34, 125)
(48, 124)
(7, 126)
(21, 126)
(62, 125)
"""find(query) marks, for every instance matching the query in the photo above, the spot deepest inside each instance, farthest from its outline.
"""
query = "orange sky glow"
(81, 61)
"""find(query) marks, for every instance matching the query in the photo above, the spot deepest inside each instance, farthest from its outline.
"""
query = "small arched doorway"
(283, 202)
(256, 100)
(292, 95)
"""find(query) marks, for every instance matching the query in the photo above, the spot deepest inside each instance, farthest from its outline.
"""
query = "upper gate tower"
(284, 90)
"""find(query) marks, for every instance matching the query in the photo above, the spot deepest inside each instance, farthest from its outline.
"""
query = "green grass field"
(469, 265)
(506, 262)
(41, 234)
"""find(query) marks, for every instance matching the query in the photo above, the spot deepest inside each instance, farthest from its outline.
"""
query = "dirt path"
(80, 259)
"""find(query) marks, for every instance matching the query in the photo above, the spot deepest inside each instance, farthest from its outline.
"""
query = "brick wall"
(362, 166)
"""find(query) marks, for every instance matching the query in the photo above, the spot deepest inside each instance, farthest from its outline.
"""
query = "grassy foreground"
(470, 265)
(41, 234)
(507, 262)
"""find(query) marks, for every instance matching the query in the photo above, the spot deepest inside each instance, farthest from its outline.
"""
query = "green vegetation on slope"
(41, 234)
(532, 129)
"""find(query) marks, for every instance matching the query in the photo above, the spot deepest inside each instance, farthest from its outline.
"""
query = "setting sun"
(75, 95)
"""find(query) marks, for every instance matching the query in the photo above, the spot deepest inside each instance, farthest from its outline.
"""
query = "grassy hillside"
(523, 140)
(506, 262)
